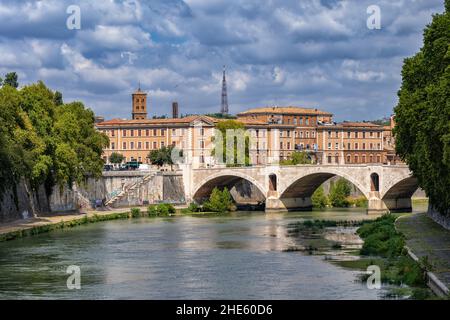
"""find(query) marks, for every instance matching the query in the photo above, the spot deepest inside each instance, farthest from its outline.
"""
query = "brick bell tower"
(139, 111)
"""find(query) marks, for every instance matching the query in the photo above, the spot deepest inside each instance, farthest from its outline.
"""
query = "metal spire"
(224, 105)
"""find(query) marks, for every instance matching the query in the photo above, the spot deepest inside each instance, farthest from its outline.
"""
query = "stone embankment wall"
(160, 186)
(443, 220)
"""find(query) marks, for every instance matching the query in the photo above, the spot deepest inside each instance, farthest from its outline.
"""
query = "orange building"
(275, 133)
(351, 142)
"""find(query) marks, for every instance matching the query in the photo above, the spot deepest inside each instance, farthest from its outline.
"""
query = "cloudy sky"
(311, 53)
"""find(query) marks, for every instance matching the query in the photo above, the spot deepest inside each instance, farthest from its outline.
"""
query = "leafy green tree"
(422, 115)
(116, 158)
(339, 192)
(219, 201)
(58, 99)
(162, 156)
(297, 158)
(45, 144)
(11, 80)
(223, 127)
(319, 199)
(1, 81)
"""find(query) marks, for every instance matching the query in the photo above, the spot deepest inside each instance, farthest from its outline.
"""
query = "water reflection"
(239, 256)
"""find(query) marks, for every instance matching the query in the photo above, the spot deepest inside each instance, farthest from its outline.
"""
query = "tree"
(219, 201)
(1, 81)
(319, 199)
(116, 158)
(239, 129)
(339, 192)
(58, 99)
(422, 130)
(297, 158)
(45, 144)
(162, 156)
(11, 80)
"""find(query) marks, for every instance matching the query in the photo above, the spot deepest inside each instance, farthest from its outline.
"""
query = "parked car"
(108, 167)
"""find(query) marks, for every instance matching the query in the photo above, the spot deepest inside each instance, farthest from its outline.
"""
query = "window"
(131, 133)
(281, 145)
(307, 121)
(356, 158)
(313, 134)
(356, 134)
(147, 145)
(329, 145)
(112, 132)
(364, 146)
(378, 134)
(371, 134)
(202, 131)
(356, 145)
(288, 133)
(348, 134)
(364, 134)
(147, 132)
(307, 134)
(371, 146)
(371, 159)
(300, 119)
(154, 132)
(202, 144)
(337, 146)
(124, 133)
(281, 133)
(301, 134)
(162, 144)
(139, 132)
(378, 158)
(202, 158)
(379, 146)
(295, 120)
(155, 146)
(349, 159)
(348, 146)
(131, 145)
(363, 158)
(329, 134)
(163, 132)
(337, 134)
(336, 158)
(124, 146)
(329, 158)
(139, 145)
(112, 146)
(289, 145)
(174, 132)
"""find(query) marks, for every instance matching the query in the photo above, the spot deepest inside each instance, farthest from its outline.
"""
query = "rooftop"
(285, 110)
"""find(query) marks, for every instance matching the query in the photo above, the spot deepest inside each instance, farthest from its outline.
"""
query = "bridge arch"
(223, 179)
(304, 185)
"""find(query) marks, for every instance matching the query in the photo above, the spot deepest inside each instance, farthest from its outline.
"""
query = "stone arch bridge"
(388, 188)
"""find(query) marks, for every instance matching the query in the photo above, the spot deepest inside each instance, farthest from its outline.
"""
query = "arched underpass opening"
(246, 195)
(398, 197)
(298, 195)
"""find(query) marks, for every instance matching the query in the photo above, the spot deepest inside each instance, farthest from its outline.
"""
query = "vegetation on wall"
(297, 157)
(422, 115)
(45, 143)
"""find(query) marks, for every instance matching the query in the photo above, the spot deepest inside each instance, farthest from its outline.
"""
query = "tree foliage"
(297, 158)
(339, 192)
(116, 158)
(319, 199)
(162, 156)
(11, 79)
(43, 143)
(239, 129)
(422, 115)
(219, 201)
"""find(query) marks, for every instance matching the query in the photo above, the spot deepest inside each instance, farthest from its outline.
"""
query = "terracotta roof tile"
(285, 110)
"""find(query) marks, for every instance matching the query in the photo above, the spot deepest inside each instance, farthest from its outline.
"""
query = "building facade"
(274, 134)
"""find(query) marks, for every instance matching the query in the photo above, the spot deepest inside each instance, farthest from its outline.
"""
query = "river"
(238, 256)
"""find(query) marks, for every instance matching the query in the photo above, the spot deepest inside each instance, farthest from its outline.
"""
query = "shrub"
(339, 192)
(135, 212)
(162, 209)
(319, 199)
(219, 201)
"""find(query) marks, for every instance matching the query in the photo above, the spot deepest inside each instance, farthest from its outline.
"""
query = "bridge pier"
(399, 205)
(375, 204)
(274, 204)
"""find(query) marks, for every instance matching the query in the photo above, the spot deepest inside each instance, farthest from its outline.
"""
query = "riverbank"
(429, 241)
(42, 224)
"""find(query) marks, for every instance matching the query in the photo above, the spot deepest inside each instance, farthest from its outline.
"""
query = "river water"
(239, 256)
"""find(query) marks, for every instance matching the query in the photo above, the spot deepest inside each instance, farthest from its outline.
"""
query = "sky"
(307, 53)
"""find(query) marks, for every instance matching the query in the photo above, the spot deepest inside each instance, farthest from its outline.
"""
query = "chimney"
(175, 110)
